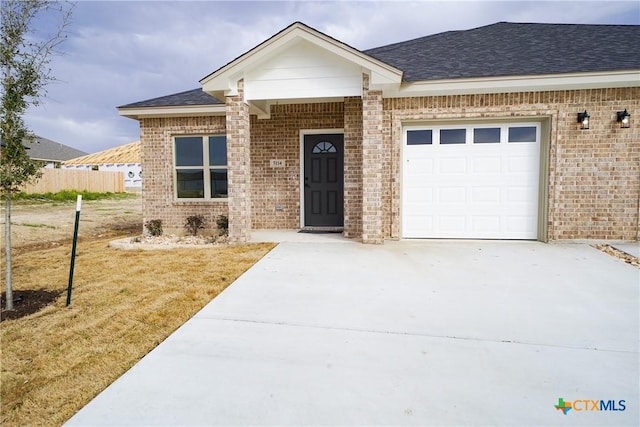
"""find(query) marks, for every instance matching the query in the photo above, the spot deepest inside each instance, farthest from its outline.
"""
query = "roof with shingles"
(189, 97)
(496, 50)
(128, 153)
(512, 49)
(47, 150)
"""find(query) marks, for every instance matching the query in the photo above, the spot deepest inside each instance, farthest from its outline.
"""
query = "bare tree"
(25, 55)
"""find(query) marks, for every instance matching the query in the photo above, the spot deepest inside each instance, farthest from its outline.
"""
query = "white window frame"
(205, 167)
(435, 135)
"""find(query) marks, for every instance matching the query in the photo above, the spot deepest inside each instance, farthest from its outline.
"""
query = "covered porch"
(304, 128)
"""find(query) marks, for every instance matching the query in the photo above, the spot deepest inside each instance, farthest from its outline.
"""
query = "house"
(507, 131)
(124, 158)
(50, 153)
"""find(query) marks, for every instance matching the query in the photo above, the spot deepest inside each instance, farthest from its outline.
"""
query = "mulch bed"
(27, 302)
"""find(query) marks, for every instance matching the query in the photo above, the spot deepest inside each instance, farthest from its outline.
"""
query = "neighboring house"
(50, 153)
(125, 159)
(464, 134)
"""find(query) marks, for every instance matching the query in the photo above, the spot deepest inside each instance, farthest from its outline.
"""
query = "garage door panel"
(521, 164)
(520, 224)
(422, 224)
(419, 166)
(457, 166)
(487, 165)
(452, 223)
(519, 194)
(485, 195)
(452, 195)
(469, 190)
(485, 224)
(420, 195)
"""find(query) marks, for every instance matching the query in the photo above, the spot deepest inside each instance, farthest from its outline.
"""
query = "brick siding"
(594, 175)
(278, 138)
(239, 166)
(373, 168)
(593, 183)
(158, 190)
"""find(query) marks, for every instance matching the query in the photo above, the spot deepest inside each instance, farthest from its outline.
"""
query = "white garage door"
(471, 181)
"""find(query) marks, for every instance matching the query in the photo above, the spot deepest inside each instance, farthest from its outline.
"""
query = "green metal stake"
(73, 249)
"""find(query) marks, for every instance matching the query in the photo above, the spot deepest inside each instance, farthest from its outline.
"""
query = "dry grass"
(124, 304)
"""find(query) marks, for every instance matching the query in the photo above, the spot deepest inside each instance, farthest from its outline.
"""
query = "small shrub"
(193, 224)
(154, 227)
(223, 225)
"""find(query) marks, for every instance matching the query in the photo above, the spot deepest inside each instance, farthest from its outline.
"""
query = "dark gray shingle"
(45, 149)
(189, 97)
(509, 49)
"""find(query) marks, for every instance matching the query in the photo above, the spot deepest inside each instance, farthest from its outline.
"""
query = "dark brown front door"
(323, 180)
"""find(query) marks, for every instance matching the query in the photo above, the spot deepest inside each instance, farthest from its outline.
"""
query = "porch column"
(238, 166)
(371, 164)
(353, 166)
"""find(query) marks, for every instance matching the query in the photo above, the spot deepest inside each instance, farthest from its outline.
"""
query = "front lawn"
(124, 304)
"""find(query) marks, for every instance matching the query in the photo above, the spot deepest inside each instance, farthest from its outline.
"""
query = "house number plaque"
(277, 163)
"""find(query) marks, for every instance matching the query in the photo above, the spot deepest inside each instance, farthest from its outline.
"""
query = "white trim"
(508, 84)
(177, 111)
(303, 133)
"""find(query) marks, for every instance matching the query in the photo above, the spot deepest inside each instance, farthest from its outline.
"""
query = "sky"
(119, 52)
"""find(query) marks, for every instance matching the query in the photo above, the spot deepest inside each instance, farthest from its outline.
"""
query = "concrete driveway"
(331, 332)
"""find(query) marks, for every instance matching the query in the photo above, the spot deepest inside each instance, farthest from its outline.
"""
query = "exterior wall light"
(624, 118)
(583, 119)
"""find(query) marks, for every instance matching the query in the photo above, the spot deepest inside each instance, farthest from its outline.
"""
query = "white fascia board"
(180, 111)
(225, 78)
(508, 84)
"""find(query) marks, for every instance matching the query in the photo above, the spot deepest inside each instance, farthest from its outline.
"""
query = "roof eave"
(172, 111)
(530, 83)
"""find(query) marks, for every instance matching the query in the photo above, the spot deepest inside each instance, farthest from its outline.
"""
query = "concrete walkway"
(407, 333)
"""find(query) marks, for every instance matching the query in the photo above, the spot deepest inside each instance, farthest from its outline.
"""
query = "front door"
(323, 180)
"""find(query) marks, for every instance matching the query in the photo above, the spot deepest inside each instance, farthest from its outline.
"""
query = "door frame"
(303, 133)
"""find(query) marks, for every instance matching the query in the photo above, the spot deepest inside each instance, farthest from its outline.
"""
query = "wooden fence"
(54, 180)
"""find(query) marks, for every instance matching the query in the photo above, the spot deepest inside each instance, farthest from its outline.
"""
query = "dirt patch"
(42, 225)
(37, 226)
(27, 302)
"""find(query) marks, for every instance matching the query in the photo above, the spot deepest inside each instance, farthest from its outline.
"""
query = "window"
(480, 135)
(453, 136)
(324, 147)
(201, 167)
(486, 135)
(522, 134)
(419, 137)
